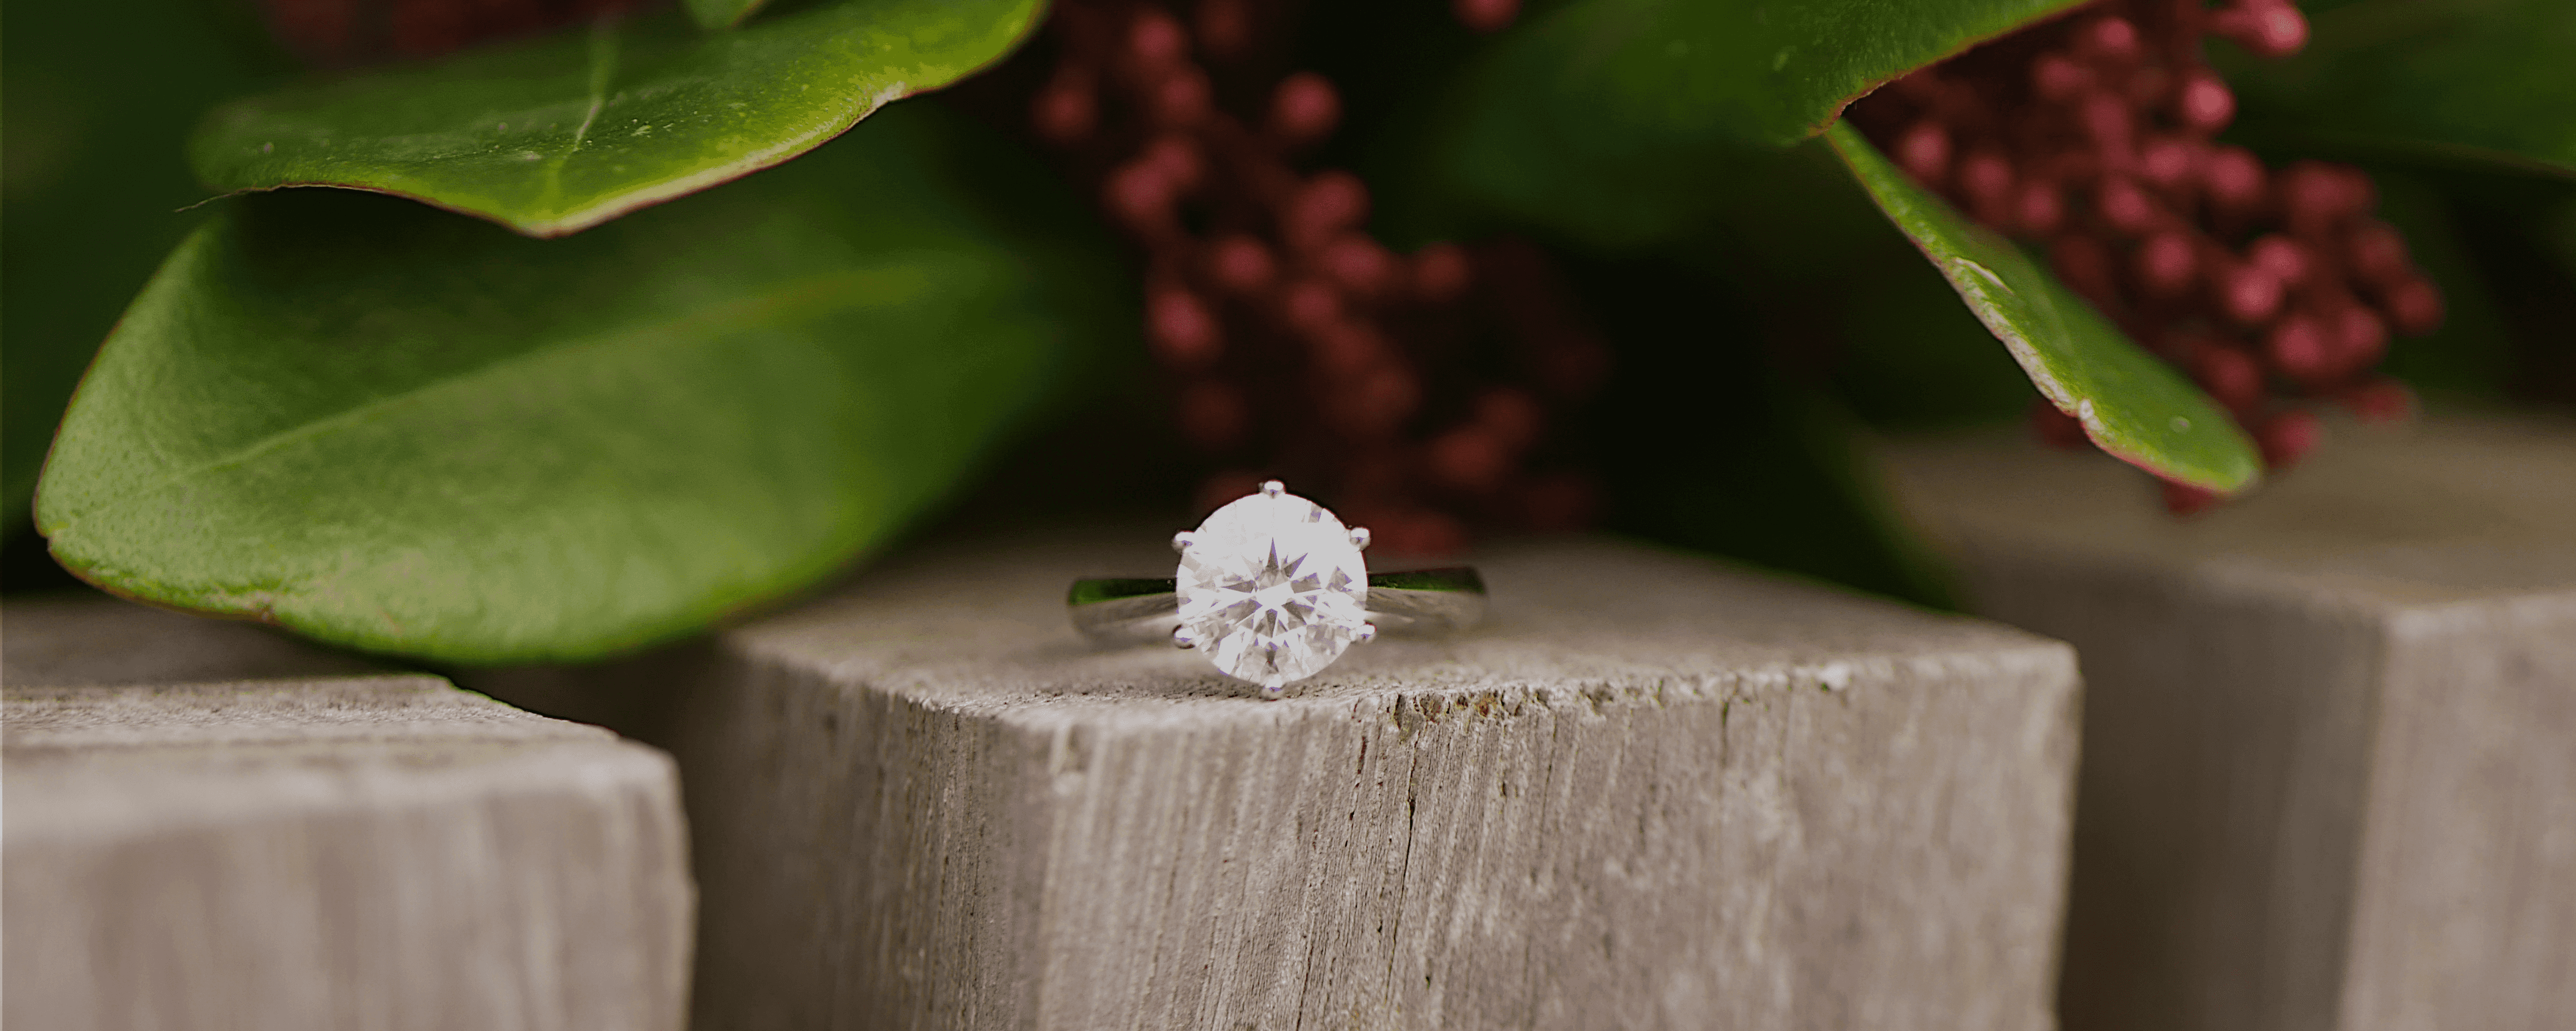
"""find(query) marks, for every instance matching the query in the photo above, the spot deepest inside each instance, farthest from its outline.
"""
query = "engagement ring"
(1272, 589)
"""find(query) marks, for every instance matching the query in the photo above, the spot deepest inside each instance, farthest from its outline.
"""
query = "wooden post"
(1652, 792)
(373, 852)
(2329, 732)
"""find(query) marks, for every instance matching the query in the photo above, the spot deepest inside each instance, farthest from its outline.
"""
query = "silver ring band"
(1125, 610)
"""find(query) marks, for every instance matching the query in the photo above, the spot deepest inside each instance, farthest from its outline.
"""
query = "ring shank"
(1128, 610)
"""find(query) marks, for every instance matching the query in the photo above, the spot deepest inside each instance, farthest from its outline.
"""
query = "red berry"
(2360, 194)
(1327, 205)
(2229, 375)
(2414, 306)
(2151, 87)
(2111, 127)
(2269, 28)
(2183, 499)
(2110, 39)
(2056, 77)
(1344, 349)
(2378, 254)
(2299, 349)
(1468, 459)
(2360, 336)
(1440, 272)
(1182, 330)
(1139, 196)
(1924, 150)
(2234, 178)
(1304, 108)
(1064, 112)
(2165, 264)
(2125, 207)
(2169, 162)
(1985, 176)
(1240, 264)
(2280, 256)
(2206, 104)
(2382, 400)
(1177, 159)
(2249, 293)
(2316, 196)
(2288, 437)
(1377, 404)
(1359, 264)
(1155, 40)
(1310, 307)
(2039, 210)
(1485, 15)
(1183, 98)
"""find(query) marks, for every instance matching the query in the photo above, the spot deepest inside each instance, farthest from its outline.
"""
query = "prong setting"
(1367, 633)
(1360, 537)
(1183, 639)
(1273, 488)
(1181, 541)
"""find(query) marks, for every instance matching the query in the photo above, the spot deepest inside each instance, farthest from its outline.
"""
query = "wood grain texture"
(2329, 733)
(1651, 792)
(380, 852)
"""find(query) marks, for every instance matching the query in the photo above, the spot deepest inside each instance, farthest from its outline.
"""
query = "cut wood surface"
(90, 638)
(1650, 792)
(2329, 746)
(375, 852)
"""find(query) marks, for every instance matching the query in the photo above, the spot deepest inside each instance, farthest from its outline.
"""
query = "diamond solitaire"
(1272, 588)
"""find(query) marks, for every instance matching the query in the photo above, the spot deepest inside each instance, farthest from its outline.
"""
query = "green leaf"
(2485, 80)
(721, 14)
(1602, 118)
(559, 135)
(396, 429)
(2132, 404)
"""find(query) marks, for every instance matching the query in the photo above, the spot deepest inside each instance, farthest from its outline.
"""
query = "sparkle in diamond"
(1272, 589)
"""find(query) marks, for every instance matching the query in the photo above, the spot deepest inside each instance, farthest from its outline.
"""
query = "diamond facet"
(1272, 589)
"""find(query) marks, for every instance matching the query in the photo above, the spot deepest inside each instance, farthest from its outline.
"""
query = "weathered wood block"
(2329, 733)
(379, 852)
(1650, 792)
(88, 638)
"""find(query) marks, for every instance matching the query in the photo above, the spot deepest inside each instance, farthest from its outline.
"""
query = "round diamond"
(1272, 589)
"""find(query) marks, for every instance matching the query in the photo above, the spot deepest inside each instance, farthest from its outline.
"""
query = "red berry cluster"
(343, 33)
(1299, 346)
(2095, 133)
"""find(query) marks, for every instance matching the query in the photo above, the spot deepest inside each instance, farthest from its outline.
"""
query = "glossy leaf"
(2485, 80)
(719, 14)
(2132, 404)
(1602, 118)
(564, 133)
(392, 428)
